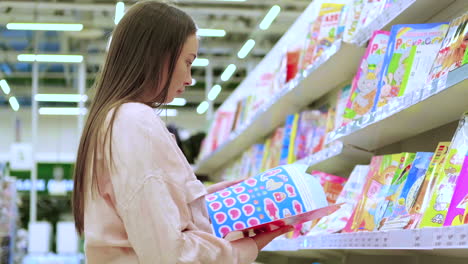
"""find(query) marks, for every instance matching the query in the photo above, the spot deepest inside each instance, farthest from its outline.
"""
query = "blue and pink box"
(285, 195)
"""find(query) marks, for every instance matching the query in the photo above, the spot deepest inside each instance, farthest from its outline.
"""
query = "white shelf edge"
(450, 237)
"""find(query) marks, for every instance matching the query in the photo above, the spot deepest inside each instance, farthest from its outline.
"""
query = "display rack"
(335, 69)
(337, 158)
(416, 112)
(449, 241)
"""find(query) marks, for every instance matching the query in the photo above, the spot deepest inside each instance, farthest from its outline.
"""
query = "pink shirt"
(150, 208)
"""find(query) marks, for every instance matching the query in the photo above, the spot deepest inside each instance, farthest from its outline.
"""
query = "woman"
(136, 199)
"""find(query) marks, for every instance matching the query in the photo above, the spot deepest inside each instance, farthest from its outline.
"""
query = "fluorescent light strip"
(5, 87)
(45, 26)
(248, 46)
(62, 111)
(201, 109)
(228, 72)
(14, 103)
(206, 32)
(270, 16)
(214, 92)
(166, 112)
(119, 12)
(178, 102)
(50, 58)
(200, 62)
(61, 98)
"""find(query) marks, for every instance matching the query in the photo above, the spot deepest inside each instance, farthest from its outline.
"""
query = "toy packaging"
(398, 211)
(351, 194)
(456, 211)
(365, 84)
(409, 57)
(445, 186)
(285, 195)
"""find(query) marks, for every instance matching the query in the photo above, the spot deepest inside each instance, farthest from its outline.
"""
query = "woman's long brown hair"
(145, 47)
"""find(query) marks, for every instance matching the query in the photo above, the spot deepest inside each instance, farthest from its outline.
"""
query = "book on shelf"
(456, 214)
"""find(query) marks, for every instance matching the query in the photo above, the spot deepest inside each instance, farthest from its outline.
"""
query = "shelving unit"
(409, 115)
(334, 70)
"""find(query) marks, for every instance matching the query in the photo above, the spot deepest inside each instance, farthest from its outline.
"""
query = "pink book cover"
(460, 198)
(364, 86)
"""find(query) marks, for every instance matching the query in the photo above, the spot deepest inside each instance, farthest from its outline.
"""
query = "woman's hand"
(221, 185)
(263, 239)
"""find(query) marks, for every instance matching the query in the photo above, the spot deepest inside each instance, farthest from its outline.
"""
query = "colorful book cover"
(352, 24)
(458, 45)
(351, 194)
(290, 130)
(320, 132)
(424, 195)
(365, 84)
(330, 29)
(371, 10)
(332, 184)
(409, 44)
(354, 220)
(391, 191)
(445, 60)
(308, 121)
(398, 212)
(266, 154)
(445, 186)
(269, 198)
(459, 203)
(275, 149)
(343, 97)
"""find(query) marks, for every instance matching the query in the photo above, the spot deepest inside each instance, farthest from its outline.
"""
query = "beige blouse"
(150, 208)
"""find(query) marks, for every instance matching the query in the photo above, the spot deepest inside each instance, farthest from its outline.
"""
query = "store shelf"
(447, 241)
(337, 158)
(409, 115)
(335, 69)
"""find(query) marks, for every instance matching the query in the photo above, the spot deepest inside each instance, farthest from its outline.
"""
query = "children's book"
(290, 131)
(409, 57)
(390, 192)
(332, 184)
(352, 24)
(365, 84)
(459, 203)
(308, 121)
(445, 186)
(371, 10)
(358, 213)
(397, 214)
(424, 194)
(285, 195)
(342, 101)
(351, 194)
(457, 45)
(323, 32)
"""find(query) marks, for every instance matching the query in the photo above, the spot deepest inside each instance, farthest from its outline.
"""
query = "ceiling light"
(119, 12)
(14, 103)
(178, 102)
(248, 46)
(214, 92)
(166, 112)
(206, 32)
(201, 109)
(5, 87)
(50, 58)
(61, 98)
(62, 111)
(226, 75)
(200, 62)
(45, 26)
(270, 16)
